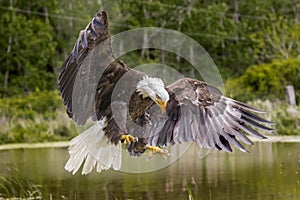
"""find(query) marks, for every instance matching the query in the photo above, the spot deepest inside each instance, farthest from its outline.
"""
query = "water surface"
(269, 171)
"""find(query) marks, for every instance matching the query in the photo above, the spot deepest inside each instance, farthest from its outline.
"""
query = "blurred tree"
(279, 39)
(27, 53)
(266, 81)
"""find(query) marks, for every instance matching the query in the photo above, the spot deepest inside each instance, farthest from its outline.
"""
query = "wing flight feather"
(207, 118)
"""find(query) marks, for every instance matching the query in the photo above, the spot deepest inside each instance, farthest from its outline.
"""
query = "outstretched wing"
(80, 75)
(86, 82)
(198, 112)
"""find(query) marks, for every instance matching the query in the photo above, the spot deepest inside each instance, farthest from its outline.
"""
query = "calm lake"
(269, 171)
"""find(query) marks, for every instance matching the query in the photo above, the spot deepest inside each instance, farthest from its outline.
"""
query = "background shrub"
(37, 117)
(266, 81)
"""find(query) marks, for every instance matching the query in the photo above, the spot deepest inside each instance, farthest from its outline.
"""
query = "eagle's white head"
(155, 89)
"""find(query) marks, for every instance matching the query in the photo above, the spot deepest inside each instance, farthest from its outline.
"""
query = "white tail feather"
(93, 147)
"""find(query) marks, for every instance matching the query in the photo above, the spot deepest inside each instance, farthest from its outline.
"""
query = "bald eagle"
(189, 110)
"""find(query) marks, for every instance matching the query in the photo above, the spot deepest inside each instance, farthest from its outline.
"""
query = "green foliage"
(266, 81)
(237, 34)
(277, 40)
(29, 48)
(16, 187)
(36, 117)
(39, 102)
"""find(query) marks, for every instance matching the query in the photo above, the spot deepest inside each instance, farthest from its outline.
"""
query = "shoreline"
(65, 144)
(277, 138)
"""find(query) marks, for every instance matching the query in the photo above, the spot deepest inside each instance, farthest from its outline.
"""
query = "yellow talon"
(154, 150)
(128, 139)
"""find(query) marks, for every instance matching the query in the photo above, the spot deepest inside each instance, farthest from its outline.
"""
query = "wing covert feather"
(208, 118)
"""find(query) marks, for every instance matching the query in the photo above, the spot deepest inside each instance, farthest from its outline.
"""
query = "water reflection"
(269, 171)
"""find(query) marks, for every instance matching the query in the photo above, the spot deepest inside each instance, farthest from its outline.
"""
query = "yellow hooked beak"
(162, 105)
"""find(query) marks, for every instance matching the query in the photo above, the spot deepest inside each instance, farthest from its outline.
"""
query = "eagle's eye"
(158, 97)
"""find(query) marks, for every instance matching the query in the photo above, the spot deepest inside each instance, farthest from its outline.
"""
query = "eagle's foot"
(156, 150)
(128, 139)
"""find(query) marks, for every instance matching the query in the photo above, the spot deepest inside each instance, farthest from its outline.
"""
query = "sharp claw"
(128, 138)
(156, 150)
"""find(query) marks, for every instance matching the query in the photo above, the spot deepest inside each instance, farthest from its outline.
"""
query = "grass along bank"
(37, 117)
(62, 144)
